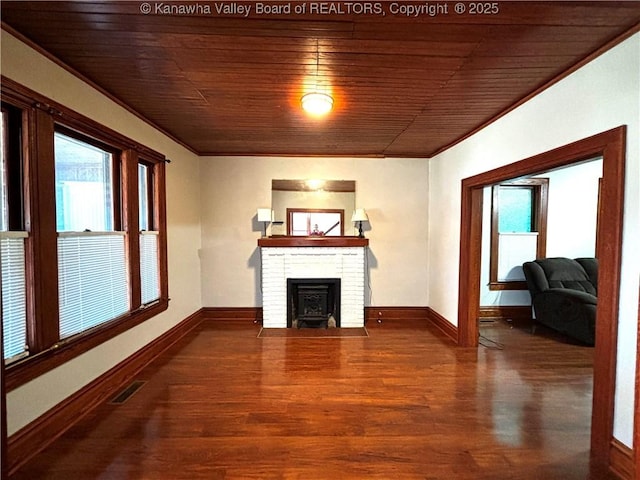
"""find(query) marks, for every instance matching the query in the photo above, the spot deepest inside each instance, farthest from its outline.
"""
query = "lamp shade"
(360, 215)
(265, 215)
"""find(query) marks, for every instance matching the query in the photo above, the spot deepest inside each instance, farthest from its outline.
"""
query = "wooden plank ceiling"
(407, 86)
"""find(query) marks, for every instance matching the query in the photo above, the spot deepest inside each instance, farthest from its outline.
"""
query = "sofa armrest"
(573, 295)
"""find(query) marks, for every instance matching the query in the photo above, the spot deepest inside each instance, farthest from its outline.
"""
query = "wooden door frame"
(611, 145)
(4, 468)
(636, 439)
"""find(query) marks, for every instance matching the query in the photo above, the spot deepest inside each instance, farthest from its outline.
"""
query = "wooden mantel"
(313, 242)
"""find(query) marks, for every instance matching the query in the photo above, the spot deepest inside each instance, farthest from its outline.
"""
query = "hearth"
(313, 257)
(313, 302)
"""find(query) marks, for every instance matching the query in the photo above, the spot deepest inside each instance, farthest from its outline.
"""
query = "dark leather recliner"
(564, 295)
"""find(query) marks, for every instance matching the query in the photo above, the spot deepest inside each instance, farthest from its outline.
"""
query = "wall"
(601, 95)
(573, 210)
(393, 191)
(27, 67)
(571, 224)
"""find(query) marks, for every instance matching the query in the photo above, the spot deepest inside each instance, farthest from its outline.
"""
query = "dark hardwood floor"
(403, 403)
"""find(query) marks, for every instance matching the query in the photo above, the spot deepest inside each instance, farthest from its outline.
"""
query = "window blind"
(14, 305)
(92, 278)
(149, 268)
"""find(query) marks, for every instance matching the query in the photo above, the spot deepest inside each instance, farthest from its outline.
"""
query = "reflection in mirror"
(321, 199)
(315, 222)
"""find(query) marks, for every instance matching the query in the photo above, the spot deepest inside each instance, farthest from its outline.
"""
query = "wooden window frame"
(41, 118)
(540, 188)
(152, 222)
(15, 194)
(291, 211)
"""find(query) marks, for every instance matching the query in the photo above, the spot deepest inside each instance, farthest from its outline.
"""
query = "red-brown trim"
(313, 242)
(38, 434)
(4, 471)
(14, 92)
(589, 58)
(611, 146)
(512, 313)
(10, 30)
(621, 463)
(160, 223)
(636, 436)
(449, 329)
(253, 314)
(399, 314)
(41, 117)
(470, 258)
(287, 185)
(29, 368)
(510, 285)
(371, 314)
(42, 244)
(131, 222)
(597, 247)
(13, 123)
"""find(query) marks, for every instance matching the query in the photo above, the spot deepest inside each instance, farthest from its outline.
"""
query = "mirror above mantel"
(312, 207)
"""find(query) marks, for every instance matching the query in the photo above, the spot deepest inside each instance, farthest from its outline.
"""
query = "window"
(145, 199)
(516, 209)
(84, 252)
(84, 185)
(518, 230)
(4, 152)
(12, 235)
(14, 314)
(315, 222)
(149, 266)
(92, 281)
(11, 176)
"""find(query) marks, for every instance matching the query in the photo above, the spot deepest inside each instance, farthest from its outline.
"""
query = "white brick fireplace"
(282, 262)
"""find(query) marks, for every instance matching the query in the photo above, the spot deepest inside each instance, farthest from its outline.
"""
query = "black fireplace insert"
(313, 302)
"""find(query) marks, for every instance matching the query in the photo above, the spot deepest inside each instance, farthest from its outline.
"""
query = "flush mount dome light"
(317, 103)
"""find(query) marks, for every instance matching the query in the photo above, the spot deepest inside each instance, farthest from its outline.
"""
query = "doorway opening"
(610, 145)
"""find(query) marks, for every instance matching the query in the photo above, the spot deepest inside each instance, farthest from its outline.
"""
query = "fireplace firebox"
(313, 302)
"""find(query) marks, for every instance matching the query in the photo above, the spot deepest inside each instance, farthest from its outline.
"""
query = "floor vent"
(127, 393)
(485, 322)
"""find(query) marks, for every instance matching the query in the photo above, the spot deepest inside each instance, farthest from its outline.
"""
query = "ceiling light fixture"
(317, 103)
